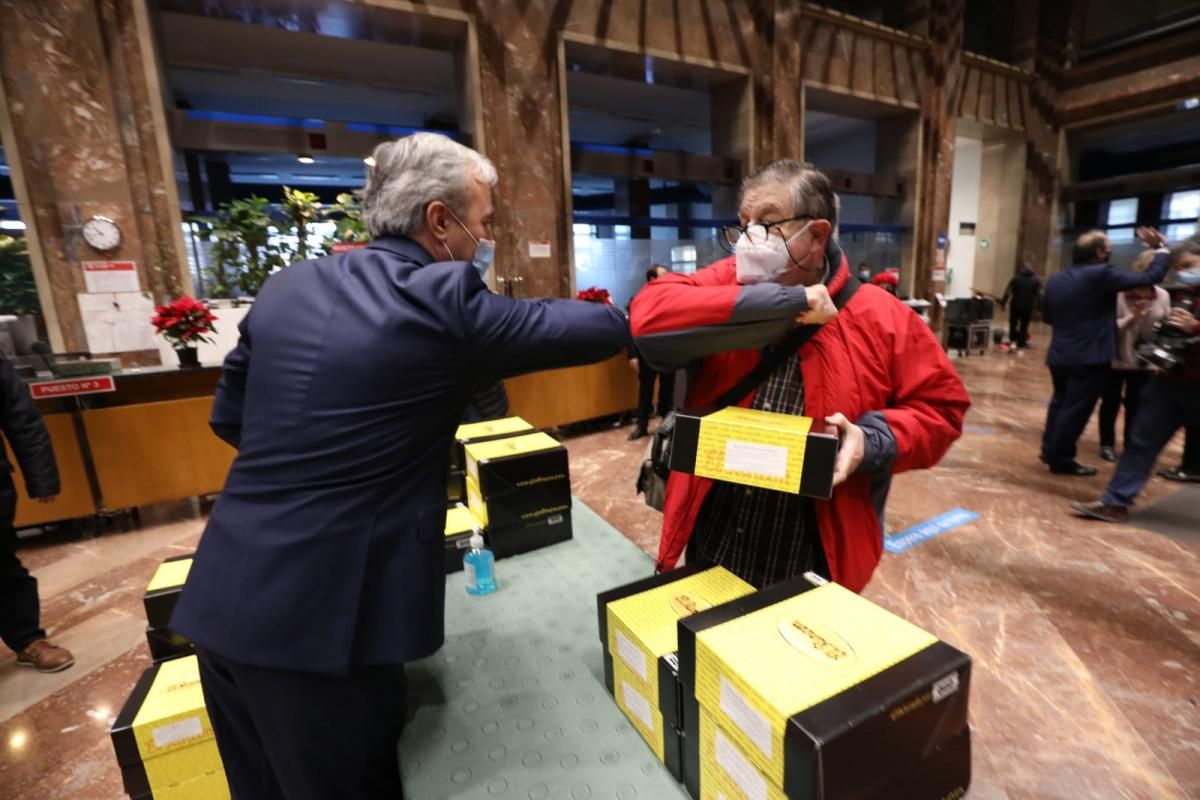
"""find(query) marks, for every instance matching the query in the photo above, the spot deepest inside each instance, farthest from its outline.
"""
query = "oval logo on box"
(816, 641)
(685, 605)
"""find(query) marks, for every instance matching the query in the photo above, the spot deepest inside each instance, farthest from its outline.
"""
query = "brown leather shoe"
(1098, 510)
(45, 657)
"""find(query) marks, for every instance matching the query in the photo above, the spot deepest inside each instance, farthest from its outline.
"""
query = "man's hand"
(46, 500)
(1151, 237)
(633, 364)
(851, 447)
(1184, 320)
(820, 306)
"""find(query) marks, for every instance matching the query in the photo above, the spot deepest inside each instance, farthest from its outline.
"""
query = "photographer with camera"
(1172, 400)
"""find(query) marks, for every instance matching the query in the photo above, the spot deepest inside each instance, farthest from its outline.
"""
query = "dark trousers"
(1166, 407)
(666, 392)
(1191, 451)
(19, 614)
(1018, 325)
(303, 736)
(1076, 390)
(1125, 386)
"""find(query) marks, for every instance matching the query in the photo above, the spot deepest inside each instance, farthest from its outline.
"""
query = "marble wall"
(83, 124)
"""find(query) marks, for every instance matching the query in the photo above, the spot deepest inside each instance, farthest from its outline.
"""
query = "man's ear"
(822, 229)
(437, 219)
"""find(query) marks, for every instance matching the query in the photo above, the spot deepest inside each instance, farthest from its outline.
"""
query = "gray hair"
(1188, 247)
(410, 173)
(812, 192)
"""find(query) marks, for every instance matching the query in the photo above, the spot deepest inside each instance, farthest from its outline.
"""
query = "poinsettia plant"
(593, 294)
(184, 322)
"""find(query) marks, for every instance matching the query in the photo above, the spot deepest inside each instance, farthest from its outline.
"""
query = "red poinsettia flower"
(184, 322)
(593, 294)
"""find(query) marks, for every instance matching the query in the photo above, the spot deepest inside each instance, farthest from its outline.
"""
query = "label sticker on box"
(945, 687)
(632, 655)
(750, 722)
(741, 771)
(768, 460)
(167, 735)
(637, 705)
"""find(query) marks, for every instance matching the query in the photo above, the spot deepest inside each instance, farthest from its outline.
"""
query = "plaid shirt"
(760, 535)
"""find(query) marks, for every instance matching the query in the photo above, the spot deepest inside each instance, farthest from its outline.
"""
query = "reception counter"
(149, 441)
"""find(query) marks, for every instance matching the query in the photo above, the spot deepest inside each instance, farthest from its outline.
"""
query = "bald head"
(1092, 247)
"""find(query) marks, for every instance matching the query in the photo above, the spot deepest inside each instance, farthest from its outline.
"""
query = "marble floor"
(1086, 637)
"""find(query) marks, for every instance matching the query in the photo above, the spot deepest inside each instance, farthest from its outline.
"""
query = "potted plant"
(18, 292)
(184, 323)
(593, 294)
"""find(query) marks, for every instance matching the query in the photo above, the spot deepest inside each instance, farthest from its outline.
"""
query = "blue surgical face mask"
(1189, 277)
(485, 254)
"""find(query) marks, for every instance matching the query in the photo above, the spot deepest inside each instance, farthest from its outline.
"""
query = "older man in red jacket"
(873, 373)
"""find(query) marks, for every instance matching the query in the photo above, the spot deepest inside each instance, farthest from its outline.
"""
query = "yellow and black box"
(165, 644)
(163, 738)
(755, 448)
(517, 480)
(456, 486)
(162, 593)
(460, 524)
(638, 629)
(552, 528)
(942, 773)
(807, 678)
(483, 432)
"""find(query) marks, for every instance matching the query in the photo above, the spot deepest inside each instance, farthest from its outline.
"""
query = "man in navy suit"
(1080, 305)
(321, 570)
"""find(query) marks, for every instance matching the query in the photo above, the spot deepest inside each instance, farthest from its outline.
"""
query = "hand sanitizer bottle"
(479, 565)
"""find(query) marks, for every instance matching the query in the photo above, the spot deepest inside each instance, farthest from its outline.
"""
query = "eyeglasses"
(756, 232)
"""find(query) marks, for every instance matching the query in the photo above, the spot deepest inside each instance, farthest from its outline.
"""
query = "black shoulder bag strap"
(660, 454)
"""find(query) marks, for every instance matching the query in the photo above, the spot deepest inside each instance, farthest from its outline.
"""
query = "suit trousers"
(19, 614)
(1124, 388)
(666, 392)
(1018, 325)
(1076, 390)
(306, 736)
(1167, 406)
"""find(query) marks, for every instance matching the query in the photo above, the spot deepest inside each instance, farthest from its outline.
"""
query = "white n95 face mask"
(763, 261)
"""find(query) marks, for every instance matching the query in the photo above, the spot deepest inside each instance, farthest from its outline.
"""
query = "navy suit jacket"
(1080, 304)
(325, 549)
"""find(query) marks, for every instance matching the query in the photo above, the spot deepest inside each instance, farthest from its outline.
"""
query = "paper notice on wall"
(539, 249)
(117, 322)
(939, 275)
(111, 276)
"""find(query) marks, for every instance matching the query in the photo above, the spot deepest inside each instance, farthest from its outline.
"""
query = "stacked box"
(801, 682)
(638, 628)
(456, 485)
(755, 448)
(162, 593)
(519, 487)
(460, 524)
(163, 738)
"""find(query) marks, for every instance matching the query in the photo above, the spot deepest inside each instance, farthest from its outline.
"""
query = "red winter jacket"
(877, 363)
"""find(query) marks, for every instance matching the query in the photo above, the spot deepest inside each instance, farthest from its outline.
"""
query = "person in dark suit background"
(25, 431)
(320, 573)
(1022, 291)
(1080, 305)
(647, 376)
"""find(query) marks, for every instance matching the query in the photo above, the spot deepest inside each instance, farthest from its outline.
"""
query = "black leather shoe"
(1179, 475)
(1098, 510)
(1074, 468)
(1108, 454)
(639, 433)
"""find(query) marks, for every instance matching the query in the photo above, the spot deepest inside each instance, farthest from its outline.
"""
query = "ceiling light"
(1191, 103)
(369, 161)
(305, 159)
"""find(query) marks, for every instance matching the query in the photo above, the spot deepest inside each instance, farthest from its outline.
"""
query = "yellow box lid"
(512, 446)
(172, 715)
(651, 617)
(169, 575)
(459, 519)
(492, 427)
(782, 659)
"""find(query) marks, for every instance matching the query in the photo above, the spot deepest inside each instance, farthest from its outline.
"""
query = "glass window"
(622, 232)
(1122, 212)
(1180, 231)
(1182, 205)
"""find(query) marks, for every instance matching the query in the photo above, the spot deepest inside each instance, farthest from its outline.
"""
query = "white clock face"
(102, 234)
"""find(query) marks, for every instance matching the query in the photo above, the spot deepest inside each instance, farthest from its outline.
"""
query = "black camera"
(1166, 347)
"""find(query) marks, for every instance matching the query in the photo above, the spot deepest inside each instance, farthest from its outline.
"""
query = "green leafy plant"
(301, 208)
(18, 292)
(349, 215)
(242, 246)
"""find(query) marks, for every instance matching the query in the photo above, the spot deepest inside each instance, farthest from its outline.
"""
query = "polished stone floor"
(1086, 637)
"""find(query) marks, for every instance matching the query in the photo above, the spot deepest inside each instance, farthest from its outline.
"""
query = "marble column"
(935, 162)
(77, 83)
